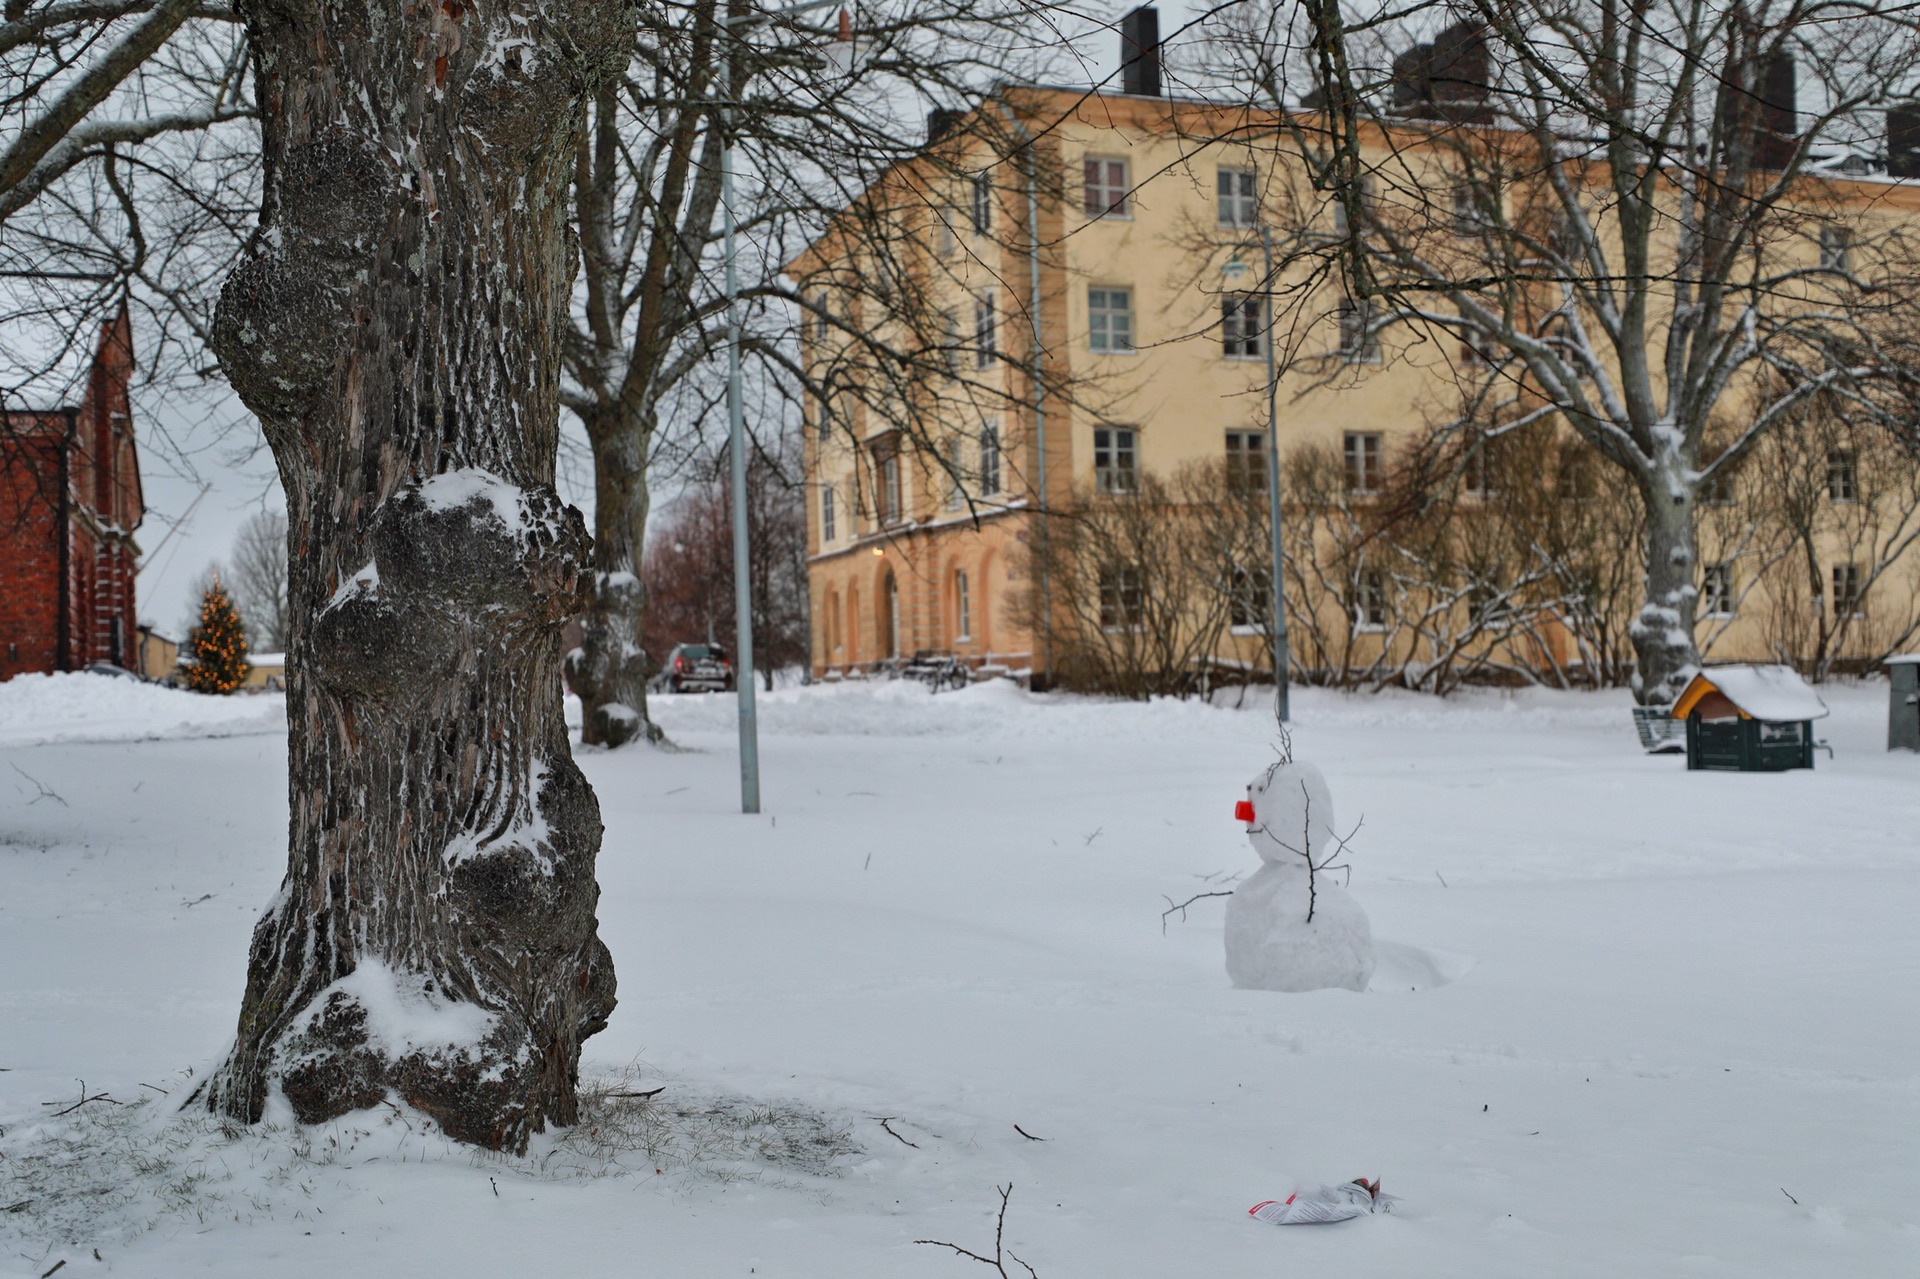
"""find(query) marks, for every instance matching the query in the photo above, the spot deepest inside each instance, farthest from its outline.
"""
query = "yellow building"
(1108, 268)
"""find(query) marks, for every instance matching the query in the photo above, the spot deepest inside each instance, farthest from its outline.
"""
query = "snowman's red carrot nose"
(1243, 812)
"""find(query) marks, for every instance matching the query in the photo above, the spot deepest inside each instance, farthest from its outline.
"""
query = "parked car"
(697, 668)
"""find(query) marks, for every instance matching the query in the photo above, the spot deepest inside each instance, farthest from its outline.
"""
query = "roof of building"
(1775, 693)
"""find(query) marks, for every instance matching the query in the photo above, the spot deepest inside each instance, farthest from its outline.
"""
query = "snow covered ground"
(1682, 1002)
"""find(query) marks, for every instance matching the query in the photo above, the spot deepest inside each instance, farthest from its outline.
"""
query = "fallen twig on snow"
(886, 1122)
(46, 791)
(84, 1101)
(1000, 1257)
(1024, 1133)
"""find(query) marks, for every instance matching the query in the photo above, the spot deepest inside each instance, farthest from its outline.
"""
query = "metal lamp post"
(737, 428)
(1281, 659)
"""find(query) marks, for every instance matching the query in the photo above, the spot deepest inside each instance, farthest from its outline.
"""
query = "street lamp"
(736, 423)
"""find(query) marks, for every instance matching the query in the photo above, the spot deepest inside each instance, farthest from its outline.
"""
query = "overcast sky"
(205, 467)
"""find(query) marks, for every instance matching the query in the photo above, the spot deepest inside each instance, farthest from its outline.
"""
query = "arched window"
(962, 607)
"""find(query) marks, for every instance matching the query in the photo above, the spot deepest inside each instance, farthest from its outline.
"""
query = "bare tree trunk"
(609, 669)
(1665, 655)
(395, 325)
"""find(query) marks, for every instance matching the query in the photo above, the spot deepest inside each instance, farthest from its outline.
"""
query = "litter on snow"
(1320, 1204)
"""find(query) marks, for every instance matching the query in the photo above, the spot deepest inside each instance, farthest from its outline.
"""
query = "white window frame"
(828, 524)
(1716, 589)
(985, 335)
(1843, 475)
(1116, 459)
(1359, 344)
(962, 607)
(990, 459)
(1836, 246)
(1243, 326)
(1120, 586)
(1250, 598)
(1370, 597)
(1246, 461)
(1237, 191)
(982, 203)
(1110, 319)
(1101, 194)
(1364, 453)
(1848, 602)
(956, 473)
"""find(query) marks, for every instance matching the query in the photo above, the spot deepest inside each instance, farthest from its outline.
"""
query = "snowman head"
(1288, 813)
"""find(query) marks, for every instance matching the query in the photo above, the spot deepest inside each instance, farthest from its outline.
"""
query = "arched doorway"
(889, 618)
(853, 622)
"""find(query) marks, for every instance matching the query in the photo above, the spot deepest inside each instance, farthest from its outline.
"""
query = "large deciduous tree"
(395, 324)
(1641, 216)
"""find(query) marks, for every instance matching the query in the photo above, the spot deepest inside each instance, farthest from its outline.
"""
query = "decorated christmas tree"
(218, 645)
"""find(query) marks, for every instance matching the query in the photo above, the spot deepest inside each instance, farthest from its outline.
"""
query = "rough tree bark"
(395, 325)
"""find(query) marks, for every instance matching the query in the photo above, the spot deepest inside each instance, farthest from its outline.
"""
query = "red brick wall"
(30, 568)
(104, 508)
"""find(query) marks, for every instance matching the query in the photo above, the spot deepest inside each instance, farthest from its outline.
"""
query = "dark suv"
(697, 668)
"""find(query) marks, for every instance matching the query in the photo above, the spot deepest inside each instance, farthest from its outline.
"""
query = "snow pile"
(1292, 926)
(83, 707)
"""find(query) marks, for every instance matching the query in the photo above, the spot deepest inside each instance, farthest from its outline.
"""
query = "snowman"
(1293, 925)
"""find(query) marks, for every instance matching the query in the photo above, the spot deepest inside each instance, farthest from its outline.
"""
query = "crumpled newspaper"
(1312, 1205)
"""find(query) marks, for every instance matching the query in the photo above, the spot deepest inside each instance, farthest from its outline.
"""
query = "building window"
(950, 339)
(1716, 589)
(821, 325)
(956, 471)
(1123, 598)
(1843, 477)
(1243, 326)
(1109, 319)
(1366, 472)
(989, 458)
(1835, 244)
(1476, 475)
(827, 514)
(1487, 604)
(982, 204)
(1847, 599)
(1239, 203)
(962, 606)
(1340, 221)
(1251, 600)
(1246, 462)
(1105, 192)
(1370, 600)
(983, 334)
(887, 491)
(1359, 344)
(1466, 210)
(944, 240)
(1116, 463)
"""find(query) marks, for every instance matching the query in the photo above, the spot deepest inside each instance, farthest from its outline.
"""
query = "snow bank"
(80, 707)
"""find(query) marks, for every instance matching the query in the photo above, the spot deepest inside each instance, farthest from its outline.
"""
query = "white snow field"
(1681, 1038)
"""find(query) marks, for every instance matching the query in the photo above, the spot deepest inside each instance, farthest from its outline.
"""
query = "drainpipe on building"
(63, 632)
(1030, 171)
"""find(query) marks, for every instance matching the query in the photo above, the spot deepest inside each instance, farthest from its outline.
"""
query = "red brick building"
(70, 501)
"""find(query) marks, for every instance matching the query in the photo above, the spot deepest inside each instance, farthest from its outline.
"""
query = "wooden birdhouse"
(1750, 719)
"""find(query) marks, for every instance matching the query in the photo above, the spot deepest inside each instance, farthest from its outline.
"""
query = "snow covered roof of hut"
(1775, 693)
(1903, 659)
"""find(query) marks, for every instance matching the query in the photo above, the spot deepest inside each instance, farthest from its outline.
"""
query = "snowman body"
(1289, 928)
